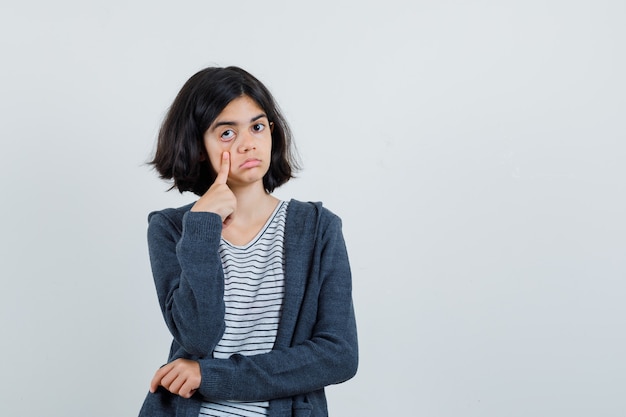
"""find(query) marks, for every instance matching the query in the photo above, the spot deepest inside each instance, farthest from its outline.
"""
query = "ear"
(272, 127)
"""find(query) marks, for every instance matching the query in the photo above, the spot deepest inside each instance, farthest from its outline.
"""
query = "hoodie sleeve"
(188, 277)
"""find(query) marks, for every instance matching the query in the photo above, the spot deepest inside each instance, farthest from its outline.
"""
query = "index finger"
(222, 175)
(158, 376)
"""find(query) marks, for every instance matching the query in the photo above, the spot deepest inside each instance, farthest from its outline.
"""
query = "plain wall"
(474, 149)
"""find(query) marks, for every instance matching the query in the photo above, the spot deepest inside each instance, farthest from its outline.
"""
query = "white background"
(474, 149)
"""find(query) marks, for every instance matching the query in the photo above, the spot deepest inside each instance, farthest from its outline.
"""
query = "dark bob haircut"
(180, 154)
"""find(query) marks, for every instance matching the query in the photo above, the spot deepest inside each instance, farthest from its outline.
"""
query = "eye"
(227, 135)
(258, 127)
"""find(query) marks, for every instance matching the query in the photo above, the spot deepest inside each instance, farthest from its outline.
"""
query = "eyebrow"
(232, 123)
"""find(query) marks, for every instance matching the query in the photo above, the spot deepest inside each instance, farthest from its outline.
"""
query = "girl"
(255, 291)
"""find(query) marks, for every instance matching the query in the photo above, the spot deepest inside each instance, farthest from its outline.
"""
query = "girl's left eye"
(259, 127)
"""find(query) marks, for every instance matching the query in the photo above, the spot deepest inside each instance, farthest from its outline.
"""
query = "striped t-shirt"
(254, 286)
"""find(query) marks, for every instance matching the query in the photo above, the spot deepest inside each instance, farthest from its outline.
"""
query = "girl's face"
(242, 129)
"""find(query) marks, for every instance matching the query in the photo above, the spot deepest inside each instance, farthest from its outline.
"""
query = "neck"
(252, 202)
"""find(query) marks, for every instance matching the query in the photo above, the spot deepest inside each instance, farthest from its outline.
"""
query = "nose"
(247, 144)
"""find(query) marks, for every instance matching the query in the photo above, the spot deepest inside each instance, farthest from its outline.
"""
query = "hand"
(181, 377)
(219, 198)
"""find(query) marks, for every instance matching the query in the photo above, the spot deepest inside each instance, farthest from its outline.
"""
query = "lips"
(250, 163)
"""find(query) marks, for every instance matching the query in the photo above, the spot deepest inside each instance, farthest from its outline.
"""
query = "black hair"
(180, 154)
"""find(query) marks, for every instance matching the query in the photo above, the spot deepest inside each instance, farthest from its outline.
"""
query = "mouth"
(250, 163)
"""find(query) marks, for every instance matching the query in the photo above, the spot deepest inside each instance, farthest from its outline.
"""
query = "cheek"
(214, 152)
(215, 164)
(268, 145)
(215, 156)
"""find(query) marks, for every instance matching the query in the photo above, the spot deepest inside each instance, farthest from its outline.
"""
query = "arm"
(188, 274)
(189, 279)
(324, 347)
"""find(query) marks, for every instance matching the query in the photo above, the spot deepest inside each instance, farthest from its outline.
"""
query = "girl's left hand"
(181, 377)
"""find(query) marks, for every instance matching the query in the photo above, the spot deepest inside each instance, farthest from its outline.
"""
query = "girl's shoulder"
(169, 218)
(171, 213)
(310, 213)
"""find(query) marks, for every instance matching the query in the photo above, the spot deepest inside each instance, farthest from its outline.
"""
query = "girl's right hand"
(219, 198)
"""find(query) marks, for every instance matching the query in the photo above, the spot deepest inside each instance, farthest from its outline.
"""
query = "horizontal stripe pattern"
(230, 409)
(254, 286)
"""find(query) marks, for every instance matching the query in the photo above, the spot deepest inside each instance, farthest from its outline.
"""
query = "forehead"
(241, 109)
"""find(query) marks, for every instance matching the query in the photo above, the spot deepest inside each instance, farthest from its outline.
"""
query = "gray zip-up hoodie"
(316, 344)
